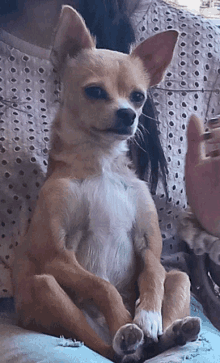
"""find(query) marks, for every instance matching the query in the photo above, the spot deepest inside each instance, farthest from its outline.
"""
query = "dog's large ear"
(71, 37)
(156, 53)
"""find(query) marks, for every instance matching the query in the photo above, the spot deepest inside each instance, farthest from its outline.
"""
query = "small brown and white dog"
(95, 230)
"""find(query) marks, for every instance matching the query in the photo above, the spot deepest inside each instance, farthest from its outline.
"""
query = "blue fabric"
(22, 346)
(205, 350)
(18, 345)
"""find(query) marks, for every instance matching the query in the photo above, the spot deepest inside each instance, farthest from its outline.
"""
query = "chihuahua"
(94, 235)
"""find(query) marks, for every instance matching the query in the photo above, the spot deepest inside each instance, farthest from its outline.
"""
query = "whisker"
(134, 141)
(152, 118)
(11, 103)
(139, 134)
(143, 128)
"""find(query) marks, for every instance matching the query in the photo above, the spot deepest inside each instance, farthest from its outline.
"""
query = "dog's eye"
(96, 93)
(137, 97)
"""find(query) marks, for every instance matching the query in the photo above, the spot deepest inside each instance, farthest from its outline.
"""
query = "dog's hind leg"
(69, 273)
(179, 328)
(176, 302)
(49, 309)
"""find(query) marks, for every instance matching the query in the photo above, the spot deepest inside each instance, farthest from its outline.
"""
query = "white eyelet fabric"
(28, 100)
(29, 93)
(191, 86)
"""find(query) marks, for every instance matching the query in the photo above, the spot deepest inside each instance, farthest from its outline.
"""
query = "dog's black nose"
(126, 115)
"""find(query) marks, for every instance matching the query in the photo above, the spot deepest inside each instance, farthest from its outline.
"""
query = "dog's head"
(104, 91)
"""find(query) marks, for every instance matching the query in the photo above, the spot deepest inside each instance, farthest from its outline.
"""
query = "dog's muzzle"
(125, 118)
(126, 115)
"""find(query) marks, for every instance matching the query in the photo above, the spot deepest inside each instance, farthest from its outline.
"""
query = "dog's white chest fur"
(103, 241)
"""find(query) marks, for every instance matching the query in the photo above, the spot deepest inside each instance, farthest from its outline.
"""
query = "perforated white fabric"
(28, 95)
(29, 91)
(191, 85)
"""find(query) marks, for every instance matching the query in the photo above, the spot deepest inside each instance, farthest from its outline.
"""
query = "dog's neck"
(83, 155)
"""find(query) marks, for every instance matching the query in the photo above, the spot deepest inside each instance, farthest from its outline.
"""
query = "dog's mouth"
(122, 133)
(126, 131)
(124, 124)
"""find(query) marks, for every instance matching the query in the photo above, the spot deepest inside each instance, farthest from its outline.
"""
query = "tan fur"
(95, 229)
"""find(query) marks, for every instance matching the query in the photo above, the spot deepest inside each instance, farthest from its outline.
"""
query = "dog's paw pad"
(127, 340)
(191, 328)
(187, 330)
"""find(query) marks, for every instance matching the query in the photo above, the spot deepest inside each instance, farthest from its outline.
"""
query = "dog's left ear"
(156, 53)
(71, 37)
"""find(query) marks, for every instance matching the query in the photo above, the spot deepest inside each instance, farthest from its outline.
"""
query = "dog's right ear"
(71, 37)
(156, 54)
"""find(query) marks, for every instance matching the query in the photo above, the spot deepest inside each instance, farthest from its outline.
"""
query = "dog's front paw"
(128, 342)
(150, 322)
